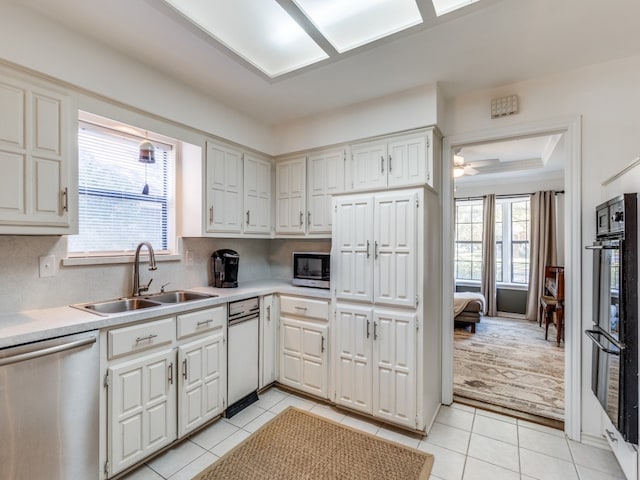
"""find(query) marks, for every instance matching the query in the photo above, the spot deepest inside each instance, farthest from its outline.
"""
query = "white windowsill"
(116, 259)
(500, 285)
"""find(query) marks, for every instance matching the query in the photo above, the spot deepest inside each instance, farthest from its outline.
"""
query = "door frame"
(570, 127)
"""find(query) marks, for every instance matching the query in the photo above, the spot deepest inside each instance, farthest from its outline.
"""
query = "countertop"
(35, 325)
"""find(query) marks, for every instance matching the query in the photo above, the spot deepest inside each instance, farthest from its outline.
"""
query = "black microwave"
(311, 269)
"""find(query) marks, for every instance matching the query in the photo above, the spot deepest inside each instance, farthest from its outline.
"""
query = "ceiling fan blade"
(470, 170)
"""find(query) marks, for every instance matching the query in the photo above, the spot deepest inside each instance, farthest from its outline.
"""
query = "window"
(513, 224)
(114, 214)
(512, 232)
(468, 235)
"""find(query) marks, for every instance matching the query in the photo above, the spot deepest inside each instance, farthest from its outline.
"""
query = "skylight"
(260, 32)
(279, 36)
(348, 25)
(446, 6)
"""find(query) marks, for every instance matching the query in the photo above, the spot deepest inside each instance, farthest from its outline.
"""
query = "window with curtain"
(114, 214)
(468, 238)
(513, 229)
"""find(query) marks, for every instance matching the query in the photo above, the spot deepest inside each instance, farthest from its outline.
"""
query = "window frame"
(169, 250)
(472, 243)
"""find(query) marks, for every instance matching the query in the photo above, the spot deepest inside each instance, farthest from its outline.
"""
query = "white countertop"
(35, 325)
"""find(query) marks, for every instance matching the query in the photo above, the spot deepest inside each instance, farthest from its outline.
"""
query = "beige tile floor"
(468, 444)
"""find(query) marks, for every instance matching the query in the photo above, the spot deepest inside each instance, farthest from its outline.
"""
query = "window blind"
(114, 215)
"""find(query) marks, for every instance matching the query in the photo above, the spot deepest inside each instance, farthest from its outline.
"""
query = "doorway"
(569, 128)
(503, 356)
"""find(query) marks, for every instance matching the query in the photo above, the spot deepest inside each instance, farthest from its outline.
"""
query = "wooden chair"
(552, 301)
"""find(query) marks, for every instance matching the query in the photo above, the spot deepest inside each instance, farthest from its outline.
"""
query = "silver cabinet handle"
(184, 368)
(381, 164)
(375, 249)
(171, 373)
(301, 218)
(389, 163)
(322, 345)
(248, 214)
(309, 217)
(368, 322)
(204, 322)
(368, 245)
(65, 199)
(211, 214)
(299, 308)
(149, 337)
(269, 313)
(611, 435)
(375, 330)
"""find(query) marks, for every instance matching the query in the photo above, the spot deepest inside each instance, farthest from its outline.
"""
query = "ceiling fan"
(460, 169)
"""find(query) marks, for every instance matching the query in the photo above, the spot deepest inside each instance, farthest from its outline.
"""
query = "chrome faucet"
(137, 289)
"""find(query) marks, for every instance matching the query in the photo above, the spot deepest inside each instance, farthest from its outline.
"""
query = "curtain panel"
(488, 287)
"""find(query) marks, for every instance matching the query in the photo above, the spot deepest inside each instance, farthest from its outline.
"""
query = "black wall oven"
(614, 377)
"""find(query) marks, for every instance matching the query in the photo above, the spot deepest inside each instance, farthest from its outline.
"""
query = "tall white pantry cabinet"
(386, 296)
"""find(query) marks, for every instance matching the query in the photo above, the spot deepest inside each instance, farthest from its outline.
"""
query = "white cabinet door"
(290, 196)
(369, 165)
(36, 160)
(202, 381)
(224, 189)
(353, 371)
(268, 341)
(352, 271)
(406, 161)
(257, 195)
(303, 357)
(325, 178)
(394, 360)
(141, 408)
(394, 248)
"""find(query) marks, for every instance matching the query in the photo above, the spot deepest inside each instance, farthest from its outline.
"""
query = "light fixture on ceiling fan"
(460, 169)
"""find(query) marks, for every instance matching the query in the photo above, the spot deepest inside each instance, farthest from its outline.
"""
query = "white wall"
(608, 99)
(32, 41)
(413, 108)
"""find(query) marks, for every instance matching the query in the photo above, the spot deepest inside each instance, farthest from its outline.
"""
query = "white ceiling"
(488, 44)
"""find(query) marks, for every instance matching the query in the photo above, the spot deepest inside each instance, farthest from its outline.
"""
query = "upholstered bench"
(468, 308)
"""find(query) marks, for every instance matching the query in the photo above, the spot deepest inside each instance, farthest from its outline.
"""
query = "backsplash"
(21, 287)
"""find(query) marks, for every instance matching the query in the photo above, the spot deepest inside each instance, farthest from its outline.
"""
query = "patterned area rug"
(298, 445)
(508, 362)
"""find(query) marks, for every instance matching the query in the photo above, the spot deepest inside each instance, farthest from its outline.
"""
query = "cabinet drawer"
(201, 321)
(304, 307)
(136, 338)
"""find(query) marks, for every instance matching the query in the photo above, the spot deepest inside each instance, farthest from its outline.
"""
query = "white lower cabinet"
(142, 408)
(375, 355)
(201, 384)
(163, 379)
(304, 340)
(268, 341)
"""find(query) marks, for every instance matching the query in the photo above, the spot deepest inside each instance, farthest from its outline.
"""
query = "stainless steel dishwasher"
(242, 354)
(49, 409)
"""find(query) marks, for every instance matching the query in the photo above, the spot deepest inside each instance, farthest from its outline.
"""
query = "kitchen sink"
(120, 305)
(177, 296)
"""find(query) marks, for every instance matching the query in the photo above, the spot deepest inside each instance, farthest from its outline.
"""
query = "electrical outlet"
(47, 266)
(188, 256)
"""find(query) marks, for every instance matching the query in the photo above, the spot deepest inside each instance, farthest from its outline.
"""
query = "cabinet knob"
(248, 215)
(301, 218)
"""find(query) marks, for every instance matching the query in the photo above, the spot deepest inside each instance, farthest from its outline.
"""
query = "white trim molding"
(570, 127)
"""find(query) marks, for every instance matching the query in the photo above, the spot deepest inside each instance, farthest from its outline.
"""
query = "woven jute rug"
(507, 362)
(299, 445)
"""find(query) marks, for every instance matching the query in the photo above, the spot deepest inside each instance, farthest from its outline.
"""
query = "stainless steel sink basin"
(177, 296)
(120, 305)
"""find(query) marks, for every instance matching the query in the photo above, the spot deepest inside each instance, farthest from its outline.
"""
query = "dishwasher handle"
(37, 352)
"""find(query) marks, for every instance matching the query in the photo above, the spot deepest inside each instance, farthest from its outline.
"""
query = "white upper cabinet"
(394, 161)
(257, 195)
(290, 196)
(38, 185)
(325, 177)
(374, 248)
(224, 189)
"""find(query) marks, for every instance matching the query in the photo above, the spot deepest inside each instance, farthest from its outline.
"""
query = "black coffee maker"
(224, 268)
